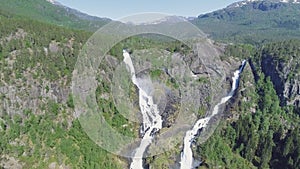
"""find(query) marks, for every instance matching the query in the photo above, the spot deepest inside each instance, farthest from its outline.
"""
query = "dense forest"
(253, 22)
(44, 11)
(38, 128)
(266, 133)
(49, 134)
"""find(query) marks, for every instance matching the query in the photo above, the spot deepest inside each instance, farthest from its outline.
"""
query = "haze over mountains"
(40, 42)
(236, 22)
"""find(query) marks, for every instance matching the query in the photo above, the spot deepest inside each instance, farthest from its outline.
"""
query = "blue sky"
(116, 9)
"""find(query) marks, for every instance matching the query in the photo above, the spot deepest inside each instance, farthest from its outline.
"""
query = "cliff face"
(283, 66)
(286, 83)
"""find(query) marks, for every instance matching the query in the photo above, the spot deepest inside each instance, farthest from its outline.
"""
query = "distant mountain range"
(250, 21)
(253, 21)
(246, 2)
(41, 40)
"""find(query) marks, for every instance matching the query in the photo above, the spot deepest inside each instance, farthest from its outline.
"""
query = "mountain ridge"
(39, 126)
(54, 13)
(254, 22)
(245, 2)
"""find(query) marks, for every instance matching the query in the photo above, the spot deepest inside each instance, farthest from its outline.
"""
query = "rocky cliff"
(282, 65)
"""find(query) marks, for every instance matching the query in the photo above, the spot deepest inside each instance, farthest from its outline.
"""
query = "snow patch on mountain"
(246, 2)
(153, 19)
(290, 1)
(52, 1)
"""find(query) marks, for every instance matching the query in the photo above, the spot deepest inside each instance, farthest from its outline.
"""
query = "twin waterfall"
(187, 154)
(152, 121)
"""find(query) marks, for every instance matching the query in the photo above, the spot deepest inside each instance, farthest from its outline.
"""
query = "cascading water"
(152, 121)
(187, 154)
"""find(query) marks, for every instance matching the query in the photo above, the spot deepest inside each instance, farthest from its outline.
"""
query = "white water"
(187, 154)
(193, 75)
(152, 121)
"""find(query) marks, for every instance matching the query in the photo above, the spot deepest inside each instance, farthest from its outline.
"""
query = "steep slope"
(52, 12)
(37, 124)
(38, 127)
(253, 22)
(258, 131)
(281, 62)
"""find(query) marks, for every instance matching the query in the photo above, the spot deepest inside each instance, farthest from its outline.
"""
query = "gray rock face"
(31, 94)
(292, 91)
(284, 77)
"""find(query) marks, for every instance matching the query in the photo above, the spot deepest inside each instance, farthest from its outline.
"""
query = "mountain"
(246, 2)
(37, 126)
(253, 21)
(52, 12)
(259, 128)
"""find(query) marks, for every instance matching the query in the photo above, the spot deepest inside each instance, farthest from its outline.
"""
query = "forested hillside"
(258, 131)
(38, 127)
(38, 52)
(252, 22)
(44, 11)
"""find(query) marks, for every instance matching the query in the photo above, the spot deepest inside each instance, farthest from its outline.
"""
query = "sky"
(116, 9)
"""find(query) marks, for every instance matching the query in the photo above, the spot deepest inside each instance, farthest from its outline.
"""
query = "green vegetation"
(203, 80)
(39, 64)
(242, 51)
(148, 41)
(266, 138)
(155, 74)
(32, 57)
(254, 23)
(44, 11)
(258, 139)
(25, 43)
(38, 140)
(113, 117)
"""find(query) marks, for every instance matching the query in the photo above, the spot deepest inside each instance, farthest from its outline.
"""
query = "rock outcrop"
(284, 76)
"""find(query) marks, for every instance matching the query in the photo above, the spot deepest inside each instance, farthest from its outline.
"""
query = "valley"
(242, 107)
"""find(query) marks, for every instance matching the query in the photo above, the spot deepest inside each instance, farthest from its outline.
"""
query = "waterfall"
(187, 154)
(152, 121)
